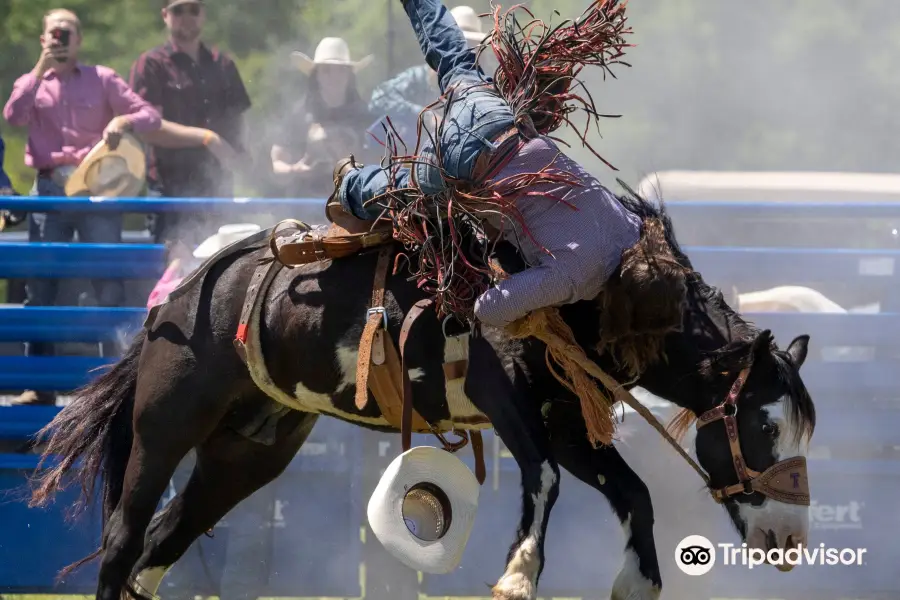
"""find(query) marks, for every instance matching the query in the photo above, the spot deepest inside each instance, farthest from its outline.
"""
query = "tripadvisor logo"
(696, 555)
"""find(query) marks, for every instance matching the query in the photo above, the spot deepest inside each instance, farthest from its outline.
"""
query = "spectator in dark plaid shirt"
(191, 84)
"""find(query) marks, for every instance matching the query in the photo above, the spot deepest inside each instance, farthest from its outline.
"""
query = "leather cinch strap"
(266, 267)
(407, 411)
(371, 344)
(406, 417)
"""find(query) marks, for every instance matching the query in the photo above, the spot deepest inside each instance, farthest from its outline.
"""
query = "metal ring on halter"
(734, 407)
(378, 310)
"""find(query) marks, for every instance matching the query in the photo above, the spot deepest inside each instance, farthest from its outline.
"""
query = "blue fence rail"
(322, 495)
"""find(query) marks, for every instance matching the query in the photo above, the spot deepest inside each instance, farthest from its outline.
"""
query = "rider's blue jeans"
(475, 115)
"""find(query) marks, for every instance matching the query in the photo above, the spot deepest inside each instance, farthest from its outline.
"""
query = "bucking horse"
(247, 407)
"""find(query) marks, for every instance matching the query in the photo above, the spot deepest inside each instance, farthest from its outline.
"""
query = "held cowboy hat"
(107, 173)
(470, 23)
(330, 51)
(423, 508)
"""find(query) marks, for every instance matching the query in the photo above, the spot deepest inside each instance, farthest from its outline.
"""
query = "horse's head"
(753, 413)
(754, 419)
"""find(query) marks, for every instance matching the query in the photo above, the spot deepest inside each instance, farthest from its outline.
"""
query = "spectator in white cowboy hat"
(328, 121)
(403, 97)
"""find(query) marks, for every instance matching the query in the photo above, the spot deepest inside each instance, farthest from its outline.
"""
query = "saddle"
(381, 369)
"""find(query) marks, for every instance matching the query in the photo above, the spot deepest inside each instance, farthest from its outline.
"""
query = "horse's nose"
(790, 542)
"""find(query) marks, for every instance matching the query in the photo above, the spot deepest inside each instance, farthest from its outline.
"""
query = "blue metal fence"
(320, 499)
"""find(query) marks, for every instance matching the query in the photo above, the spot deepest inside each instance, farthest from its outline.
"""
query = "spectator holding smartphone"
(68, 108)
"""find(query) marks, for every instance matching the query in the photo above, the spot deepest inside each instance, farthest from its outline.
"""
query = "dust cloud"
(714, 85)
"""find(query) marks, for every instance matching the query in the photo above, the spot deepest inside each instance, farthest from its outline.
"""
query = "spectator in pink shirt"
(68, 108)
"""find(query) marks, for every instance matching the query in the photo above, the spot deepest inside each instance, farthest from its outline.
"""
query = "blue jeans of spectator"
(474, 116)
(95, 228)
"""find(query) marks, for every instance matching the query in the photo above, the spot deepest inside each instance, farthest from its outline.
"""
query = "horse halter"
(785, 481)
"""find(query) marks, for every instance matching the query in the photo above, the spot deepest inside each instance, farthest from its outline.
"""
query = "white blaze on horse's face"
(787, 525)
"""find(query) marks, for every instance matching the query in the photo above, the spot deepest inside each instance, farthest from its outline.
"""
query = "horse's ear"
(763, 342)
(798, 349)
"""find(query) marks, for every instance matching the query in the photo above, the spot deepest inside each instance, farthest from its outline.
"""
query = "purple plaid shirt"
(586, 241)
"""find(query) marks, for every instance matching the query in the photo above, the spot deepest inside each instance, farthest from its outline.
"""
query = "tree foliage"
(714, 84)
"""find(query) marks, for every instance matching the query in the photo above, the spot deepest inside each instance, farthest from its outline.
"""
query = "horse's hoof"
(630, 584)
(514, 587)
(649, 594)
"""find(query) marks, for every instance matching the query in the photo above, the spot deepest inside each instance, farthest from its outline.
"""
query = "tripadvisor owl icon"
(695, 555)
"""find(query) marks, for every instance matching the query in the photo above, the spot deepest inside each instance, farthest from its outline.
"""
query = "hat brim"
(180, 2)
(209, 246)
(307, 65)
(424, 464)
(129, 148)
(474, 37)
(219, 241)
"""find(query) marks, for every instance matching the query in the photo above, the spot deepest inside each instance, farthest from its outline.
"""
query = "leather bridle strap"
(727, 411)
(785, 481)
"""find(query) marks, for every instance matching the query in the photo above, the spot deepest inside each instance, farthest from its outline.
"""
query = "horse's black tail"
(96, 430)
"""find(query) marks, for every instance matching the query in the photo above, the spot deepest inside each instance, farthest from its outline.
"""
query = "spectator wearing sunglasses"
(196, 85)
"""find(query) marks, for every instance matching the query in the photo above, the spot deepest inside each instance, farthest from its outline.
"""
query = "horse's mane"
(747, 339)
(644, 300)
(799, 408)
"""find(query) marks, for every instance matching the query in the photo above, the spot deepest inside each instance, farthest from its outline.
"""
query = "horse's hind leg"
(229, 468)
(157, 448)
(172, 414)
(605, 470)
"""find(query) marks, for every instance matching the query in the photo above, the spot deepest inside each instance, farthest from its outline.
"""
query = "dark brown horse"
(181, 385)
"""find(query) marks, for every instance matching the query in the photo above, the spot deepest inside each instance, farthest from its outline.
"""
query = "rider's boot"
(343, 221)
(334, 210)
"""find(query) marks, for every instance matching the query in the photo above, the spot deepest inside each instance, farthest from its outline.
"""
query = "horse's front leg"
(498, 389)
(604, 469)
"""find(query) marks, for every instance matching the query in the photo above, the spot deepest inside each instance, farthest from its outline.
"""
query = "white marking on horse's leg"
(519, 582)
(148, 580)
(630, 583)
